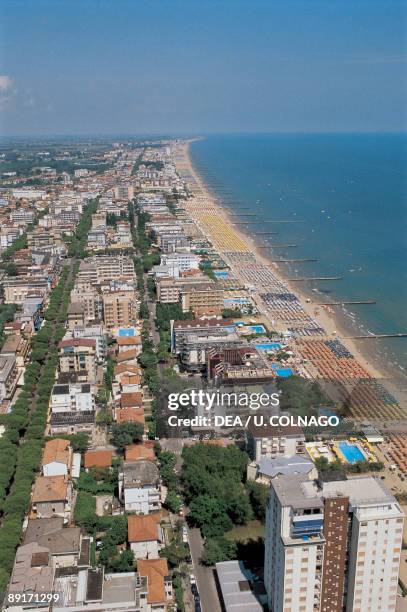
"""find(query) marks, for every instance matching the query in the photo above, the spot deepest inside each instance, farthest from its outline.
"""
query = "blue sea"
(350, 194)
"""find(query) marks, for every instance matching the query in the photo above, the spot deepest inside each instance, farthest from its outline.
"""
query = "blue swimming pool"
(351, 452)
(268, 346)
(221, 273)
(255, 329)
(236, 301)
(283, 372)
(126, 331)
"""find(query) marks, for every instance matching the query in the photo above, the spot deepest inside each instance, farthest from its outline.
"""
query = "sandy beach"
(218, 224)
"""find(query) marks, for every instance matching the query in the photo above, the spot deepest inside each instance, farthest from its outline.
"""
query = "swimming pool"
(268, 346)
(255, 329)
(236, 301)
(221, 273)
(126, 331)
(351, 452)
(283, 372)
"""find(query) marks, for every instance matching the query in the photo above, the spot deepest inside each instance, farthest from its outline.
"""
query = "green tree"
(124, 434)
(176, 553)
(173, 501)
(216, 550)
(258, 495)
(209, 514)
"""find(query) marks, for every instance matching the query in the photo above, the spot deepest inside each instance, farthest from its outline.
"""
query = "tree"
(176, 553)
(173, 501)
(216, 550)
(10, 269)
(258, 495)
(147, 358)
(231, 313)
(238, 507)
(125, 562)
(124, 434)
(209, 514)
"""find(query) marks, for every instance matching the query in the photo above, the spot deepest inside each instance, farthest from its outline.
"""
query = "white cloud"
(7, 91)
(6, 82)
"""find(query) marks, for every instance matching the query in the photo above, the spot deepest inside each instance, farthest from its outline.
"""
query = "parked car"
(194, 590)
(185, 535)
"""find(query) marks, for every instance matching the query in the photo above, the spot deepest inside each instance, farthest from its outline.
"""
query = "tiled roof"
(155, 570)
(50, 488)
(131, 400)
(129, 341)
(101, 458)
(143, 528)
(125, 415)
(56, 450)
(139, 451)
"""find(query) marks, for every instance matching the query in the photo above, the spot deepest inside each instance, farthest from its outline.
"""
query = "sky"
(202, 66)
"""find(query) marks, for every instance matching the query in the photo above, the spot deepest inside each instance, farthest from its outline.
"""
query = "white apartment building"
(274, 441)
(105, 267)
(72, 398)
(22, 215)
(182, 261)
(96, 332)
(139, 486)
(332, 547)
(375, 546)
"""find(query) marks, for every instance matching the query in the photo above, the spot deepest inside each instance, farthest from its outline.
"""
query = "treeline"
(21, 445)
(147, 358)
(165, 313)
(77, 243)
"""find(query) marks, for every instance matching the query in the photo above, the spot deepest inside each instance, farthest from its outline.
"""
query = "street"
(204, 575)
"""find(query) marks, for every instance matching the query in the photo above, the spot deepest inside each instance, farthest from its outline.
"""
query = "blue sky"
(201, 66)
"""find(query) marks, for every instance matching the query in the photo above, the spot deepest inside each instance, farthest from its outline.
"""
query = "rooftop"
(139, 473)
(285, 465)
(291, 491)
(31, 571)
(53, 535)
(98, 458)
(56, 450)
(275, 431)
(156, 570)
(143, 528)
(50, 488)
(359, 490)
(236, 588)
(135, 452)
(131, 400)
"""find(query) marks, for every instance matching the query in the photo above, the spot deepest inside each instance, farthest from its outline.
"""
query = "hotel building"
(332, 546)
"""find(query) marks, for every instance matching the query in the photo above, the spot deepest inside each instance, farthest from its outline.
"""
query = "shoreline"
(334, 323)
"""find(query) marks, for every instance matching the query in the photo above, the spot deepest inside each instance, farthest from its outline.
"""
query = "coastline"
(334, 323)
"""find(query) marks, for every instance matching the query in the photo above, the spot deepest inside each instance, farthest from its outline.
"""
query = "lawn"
(243, 533)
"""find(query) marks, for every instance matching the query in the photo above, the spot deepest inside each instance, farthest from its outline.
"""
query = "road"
(204, 575)
(151, 309)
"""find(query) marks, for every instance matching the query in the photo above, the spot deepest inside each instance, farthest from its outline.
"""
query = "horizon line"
(175, 135)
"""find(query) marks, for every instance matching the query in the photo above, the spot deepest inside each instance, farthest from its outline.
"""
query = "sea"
(348, 196)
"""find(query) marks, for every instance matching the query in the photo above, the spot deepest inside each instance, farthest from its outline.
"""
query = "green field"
(243, 533)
